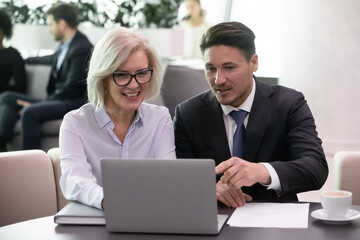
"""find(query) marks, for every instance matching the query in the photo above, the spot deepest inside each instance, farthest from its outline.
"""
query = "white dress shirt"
(86, 136)
(230, 126)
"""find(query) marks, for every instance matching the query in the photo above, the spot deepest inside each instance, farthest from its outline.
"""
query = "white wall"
(34, 40)
(321, 58)
(263, 17)
(314, 47)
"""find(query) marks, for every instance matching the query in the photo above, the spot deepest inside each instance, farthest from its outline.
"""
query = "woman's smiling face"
(127, 98)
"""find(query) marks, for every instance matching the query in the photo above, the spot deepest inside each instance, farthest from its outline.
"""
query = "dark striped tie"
(239, 136)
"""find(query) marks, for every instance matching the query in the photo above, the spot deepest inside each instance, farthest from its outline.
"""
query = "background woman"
(194, 25)
(12, 65)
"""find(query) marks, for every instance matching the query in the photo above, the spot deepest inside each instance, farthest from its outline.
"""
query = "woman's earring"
(105, 92)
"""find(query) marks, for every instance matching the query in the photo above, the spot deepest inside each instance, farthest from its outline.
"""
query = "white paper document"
(271, 215)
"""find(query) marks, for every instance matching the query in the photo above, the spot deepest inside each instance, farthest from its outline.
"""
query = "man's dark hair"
(67, 12)
(5, 24)
(232, 34)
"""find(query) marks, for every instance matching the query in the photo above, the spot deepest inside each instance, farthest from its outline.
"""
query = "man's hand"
(238, 173)
(230, 196)
(22, 103)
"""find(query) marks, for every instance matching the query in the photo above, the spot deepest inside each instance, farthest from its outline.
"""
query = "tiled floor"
(314, 196)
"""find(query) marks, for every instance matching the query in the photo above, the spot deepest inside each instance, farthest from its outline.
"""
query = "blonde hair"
(113, 49)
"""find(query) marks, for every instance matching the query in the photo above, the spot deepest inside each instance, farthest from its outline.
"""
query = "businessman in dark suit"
(279, 154)
(67, 82)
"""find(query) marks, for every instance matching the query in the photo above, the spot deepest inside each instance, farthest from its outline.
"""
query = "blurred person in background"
(12, 66)
(194, 25)
(67, 82)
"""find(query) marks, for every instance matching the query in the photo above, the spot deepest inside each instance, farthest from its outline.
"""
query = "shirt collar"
(139, 115)
(66, 44)
(102, 118)
(246, 105)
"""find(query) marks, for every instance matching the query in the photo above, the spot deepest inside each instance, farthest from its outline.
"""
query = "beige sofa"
(29, 185)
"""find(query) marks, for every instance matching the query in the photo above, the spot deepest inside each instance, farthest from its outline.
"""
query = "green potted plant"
(130, 13)
(161, 15)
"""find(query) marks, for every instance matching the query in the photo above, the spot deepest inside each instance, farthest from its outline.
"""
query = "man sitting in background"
(66, 87)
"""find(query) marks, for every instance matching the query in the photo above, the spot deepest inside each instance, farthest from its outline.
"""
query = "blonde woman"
(124, 70)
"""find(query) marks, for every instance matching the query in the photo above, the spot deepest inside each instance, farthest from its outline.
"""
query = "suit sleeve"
(76, 76)
(307, 167)
(184, 148)
(46, 60)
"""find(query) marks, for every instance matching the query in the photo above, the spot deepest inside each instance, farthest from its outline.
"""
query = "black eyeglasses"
(124, 79)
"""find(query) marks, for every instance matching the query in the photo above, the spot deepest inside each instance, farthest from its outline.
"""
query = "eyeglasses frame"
(132, 76)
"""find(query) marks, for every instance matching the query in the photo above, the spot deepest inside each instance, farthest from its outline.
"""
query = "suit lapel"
(212, 120)
(71, 46)
(259, 118)
(260, 115)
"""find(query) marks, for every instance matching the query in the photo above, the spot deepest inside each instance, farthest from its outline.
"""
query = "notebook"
(160, 196)
(75, 213)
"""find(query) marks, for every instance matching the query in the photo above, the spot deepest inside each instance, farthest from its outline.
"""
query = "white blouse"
(86, 136)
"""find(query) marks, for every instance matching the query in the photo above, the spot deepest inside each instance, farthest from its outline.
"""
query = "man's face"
(229, 74)
(55, 28)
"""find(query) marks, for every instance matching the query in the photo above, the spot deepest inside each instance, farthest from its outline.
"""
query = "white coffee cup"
(336, 203)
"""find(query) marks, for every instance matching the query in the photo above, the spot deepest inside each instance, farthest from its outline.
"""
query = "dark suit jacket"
(280, 131)
(69, 82)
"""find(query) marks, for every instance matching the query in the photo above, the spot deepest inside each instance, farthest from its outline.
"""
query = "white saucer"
(321, 215)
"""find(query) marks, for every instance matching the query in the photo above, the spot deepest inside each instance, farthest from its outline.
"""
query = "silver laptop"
(160, 196)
